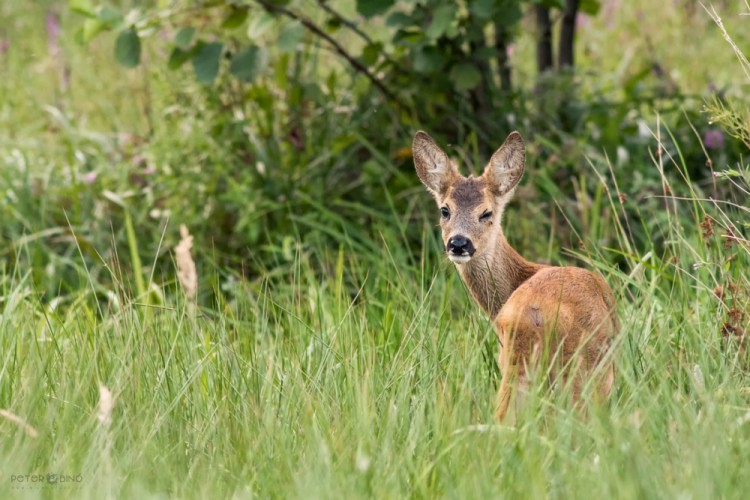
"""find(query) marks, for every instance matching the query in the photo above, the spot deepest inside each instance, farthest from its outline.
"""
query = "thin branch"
(353, 26)
(346, 22)
(311, 26)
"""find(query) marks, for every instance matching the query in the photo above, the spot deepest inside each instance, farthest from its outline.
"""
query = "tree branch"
(353, 26)
(357, 65)
(346, 22)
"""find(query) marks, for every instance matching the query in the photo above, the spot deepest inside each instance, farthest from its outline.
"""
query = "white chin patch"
(459, 259)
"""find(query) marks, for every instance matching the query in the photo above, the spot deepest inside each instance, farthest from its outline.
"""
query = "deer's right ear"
(433, 166)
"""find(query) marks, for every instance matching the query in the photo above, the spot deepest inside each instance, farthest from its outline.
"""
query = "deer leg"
(504, 395)
(509, 371)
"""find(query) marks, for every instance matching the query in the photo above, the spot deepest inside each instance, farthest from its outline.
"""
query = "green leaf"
(483, 9)
(409, 38)
(372, 8)
(510, 16)
(290, 36)
(428, 60)
(398, 19)
(178, 57)
(128, 48)
(465, 76)
(91, 28)
(248, 64)
(236, 18)
(109, 15)
(441, 21)
(206, 62)
(371, 53)
(83, 7)
(590, 7)
(184, 37)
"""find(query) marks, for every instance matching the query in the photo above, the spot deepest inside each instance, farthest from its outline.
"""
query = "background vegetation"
(331, 350)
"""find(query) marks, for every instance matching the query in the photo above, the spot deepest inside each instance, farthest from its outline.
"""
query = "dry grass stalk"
(744, 63)
(186, 271)
(21, 422)
(106, 403)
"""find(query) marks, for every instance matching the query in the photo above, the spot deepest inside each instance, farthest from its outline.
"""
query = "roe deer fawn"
(567, 312)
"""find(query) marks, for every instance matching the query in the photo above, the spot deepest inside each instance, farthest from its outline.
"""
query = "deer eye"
(485, 216)
(445, 212)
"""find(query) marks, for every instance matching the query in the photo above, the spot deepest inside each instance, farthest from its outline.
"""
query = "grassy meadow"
(332, 351)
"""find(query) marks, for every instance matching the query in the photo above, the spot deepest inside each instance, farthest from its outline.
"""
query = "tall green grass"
(374, 378)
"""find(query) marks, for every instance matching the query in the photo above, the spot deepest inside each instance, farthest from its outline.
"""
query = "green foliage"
(236, 17)
(184, 38)
(370, 8)
(290, 36)
(277, 125)
(128, 48)
(433, 45)
(590, 7)
(206, 61)
(248, 64)
(465, 76)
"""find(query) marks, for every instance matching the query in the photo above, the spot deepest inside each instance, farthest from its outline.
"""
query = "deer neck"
(493, 277)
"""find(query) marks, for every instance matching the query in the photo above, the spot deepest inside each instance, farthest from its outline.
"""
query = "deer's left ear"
(506, 166)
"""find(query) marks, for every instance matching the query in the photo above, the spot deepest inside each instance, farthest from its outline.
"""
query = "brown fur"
(562, 316)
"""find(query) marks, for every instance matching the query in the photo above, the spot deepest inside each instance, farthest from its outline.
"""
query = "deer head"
(471, 207)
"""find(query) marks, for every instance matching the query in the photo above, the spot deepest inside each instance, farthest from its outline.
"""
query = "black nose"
(460, 245)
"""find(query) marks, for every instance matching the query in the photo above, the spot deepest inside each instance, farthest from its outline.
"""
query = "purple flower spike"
(53, 32)
(713, 138)
(90, 178)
